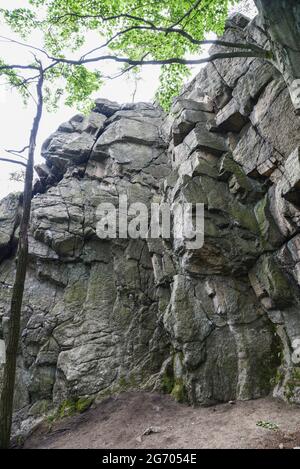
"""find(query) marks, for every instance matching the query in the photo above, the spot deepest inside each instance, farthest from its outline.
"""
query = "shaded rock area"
(205, 325)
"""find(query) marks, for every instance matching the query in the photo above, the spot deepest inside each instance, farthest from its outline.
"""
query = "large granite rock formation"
(206, 325)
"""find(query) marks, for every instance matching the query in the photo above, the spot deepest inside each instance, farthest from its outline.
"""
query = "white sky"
(16, 120)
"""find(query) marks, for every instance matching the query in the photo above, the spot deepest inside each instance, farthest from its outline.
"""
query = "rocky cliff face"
(208, 325)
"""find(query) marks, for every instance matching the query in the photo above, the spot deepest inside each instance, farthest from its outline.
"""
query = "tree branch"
(122, 72)
(175, 60)
(217, 42)
(7, 160)
(102, 18)
(152, 27)
(18, 151)
(24, 44)
(20, 67)
(193, 8)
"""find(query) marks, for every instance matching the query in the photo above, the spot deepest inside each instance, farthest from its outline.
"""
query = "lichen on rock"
(204, 325)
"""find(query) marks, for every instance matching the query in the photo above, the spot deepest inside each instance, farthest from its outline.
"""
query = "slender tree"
(6, 403)
(133, 33)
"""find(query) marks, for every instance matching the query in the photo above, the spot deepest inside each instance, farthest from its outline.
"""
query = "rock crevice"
(205, 325)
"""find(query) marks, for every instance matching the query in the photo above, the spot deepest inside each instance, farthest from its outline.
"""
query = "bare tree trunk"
(281, 19)
(6, 403)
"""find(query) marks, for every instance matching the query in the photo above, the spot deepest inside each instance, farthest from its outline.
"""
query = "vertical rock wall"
(206, 325)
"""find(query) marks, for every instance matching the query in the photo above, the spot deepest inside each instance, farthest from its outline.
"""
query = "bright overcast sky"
(16, 120)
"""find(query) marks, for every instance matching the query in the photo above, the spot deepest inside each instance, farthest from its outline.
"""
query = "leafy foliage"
(125, 28)
(14, 80)
(171, 79)
(17, 176)
(267, 425)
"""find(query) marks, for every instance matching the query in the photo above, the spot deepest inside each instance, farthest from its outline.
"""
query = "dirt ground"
(146, 420)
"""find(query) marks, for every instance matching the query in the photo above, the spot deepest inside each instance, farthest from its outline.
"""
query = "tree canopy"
(169, 33)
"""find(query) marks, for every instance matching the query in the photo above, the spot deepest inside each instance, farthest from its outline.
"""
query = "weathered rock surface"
(206, 325)
(9, 211)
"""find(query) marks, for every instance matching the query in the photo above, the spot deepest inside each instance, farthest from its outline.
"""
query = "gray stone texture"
(205, 325)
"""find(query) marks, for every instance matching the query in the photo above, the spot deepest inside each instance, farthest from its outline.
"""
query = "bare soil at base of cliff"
(149, 420)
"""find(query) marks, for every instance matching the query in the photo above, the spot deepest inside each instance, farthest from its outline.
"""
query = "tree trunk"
(281, 20)
(6, 403)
